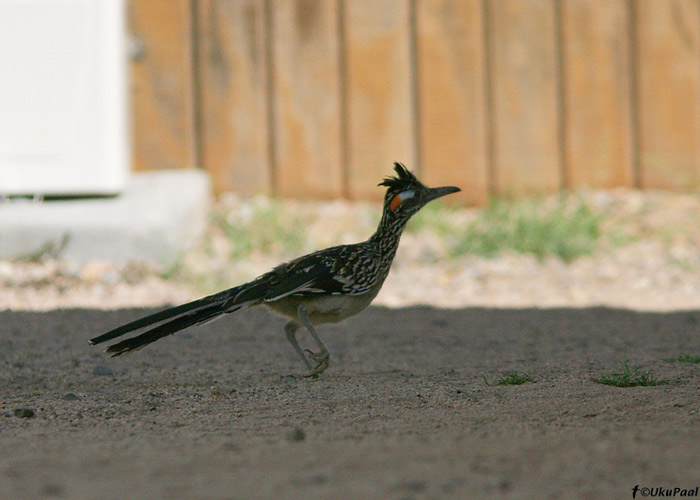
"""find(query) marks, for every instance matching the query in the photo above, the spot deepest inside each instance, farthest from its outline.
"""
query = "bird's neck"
(386, 237)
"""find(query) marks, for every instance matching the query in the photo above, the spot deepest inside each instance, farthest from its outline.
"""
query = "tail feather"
(165, 329)
(183, 316)
(149, 320)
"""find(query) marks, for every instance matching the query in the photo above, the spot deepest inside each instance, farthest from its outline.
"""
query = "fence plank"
(526, 148)
(668, 34)
(306, 100)
(452, 110)
(598, 123)
(233, 95)
(379, 102)
(163, 134)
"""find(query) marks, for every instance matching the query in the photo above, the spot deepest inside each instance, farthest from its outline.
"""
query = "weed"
(630, 377)
(511, 378)
(49, 250)
(174, 270)
(568, 228)
(683, 358)
(265, 227)
(514, 378)
(434, 218)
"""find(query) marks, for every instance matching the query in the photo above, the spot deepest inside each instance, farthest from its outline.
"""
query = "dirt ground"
(408, 409)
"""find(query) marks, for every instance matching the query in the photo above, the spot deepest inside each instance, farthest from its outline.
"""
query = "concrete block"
(158, 216)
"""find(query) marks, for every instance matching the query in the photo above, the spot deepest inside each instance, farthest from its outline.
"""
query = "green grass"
(261, 226)
(683, 358)
(565, 226)
(568, 229)
(511, 378)
(630, 377)
(173, 271)
(514, 378)
(266, 228)
(434, 218)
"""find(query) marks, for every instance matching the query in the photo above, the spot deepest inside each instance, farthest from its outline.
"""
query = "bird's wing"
(316, 273)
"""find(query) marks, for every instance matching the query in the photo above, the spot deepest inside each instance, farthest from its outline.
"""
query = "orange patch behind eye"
(395, 202)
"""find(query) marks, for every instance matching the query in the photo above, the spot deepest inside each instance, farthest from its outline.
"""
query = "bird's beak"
(434, 193)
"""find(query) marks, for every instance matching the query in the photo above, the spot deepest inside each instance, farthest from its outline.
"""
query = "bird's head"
(406, 194)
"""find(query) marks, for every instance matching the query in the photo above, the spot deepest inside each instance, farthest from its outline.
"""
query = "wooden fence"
(316, 98)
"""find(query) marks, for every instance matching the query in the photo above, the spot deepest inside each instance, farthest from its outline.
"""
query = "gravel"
(657, 268)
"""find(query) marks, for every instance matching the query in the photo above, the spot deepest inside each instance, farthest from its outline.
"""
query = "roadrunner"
(323, 287)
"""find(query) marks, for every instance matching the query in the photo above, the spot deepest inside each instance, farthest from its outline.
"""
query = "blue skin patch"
(401, 197)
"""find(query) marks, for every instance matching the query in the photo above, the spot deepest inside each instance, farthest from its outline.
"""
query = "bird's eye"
(400, 198)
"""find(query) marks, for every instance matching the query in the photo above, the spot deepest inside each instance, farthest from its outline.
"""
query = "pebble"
(415, 485)
(71, 396)
(295, 435)
(102, 371)
(52, 490)
(24, 413)
(222, 391)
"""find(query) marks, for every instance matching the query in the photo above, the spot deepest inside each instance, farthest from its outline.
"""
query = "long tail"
(183, 316)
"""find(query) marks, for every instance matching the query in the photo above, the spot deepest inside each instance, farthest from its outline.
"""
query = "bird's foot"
(321, 358)
(317, 370)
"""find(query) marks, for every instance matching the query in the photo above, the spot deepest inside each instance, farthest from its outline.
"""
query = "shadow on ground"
(408, 409)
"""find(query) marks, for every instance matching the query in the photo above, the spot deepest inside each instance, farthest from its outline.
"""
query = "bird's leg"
(291, 329)
(323, 356)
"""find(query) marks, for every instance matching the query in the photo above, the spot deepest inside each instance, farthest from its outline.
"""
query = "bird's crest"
(403, 179)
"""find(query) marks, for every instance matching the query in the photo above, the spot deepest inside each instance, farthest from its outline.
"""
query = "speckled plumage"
(322, 287)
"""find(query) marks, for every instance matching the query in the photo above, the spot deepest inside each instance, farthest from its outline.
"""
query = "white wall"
(63, 97)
